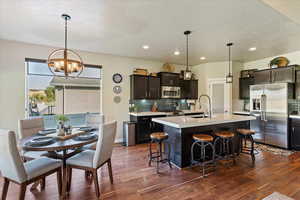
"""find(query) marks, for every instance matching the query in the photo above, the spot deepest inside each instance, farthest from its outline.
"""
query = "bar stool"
(203, 141)
(226, 151)
(246, 135)
(159, 138)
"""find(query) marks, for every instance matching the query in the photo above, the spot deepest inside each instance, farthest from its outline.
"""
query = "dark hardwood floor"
(134, 180)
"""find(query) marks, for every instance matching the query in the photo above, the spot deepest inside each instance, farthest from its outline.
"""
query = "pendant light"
(65, 62)
(187, 72)
(229, 77)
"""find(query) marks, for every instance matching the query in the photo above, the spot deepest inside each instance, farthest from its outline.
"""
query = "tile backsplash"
(294, 105)
(164, 105)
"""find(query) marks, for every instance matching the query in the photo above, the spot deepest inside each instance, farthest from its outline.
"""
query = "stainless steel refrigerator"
(269, 104)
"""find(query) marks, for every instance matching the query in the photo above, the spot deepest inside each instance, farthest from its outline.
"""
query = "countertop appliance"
(170, 92)
(269, 104)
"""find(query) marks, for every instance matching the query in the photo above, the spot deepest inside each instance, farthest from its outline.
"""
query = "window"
(48, 95)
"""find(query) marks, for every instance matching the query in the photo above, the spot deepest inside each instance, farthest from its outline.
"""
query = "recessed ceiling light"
(252, 49)
(176, 53)
(145, 47)
(202, 58)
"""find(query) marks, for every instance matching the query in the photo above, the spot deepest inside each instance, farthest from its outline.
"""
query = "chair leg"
(22, 191)
(5, 188)
(233, 150)
(252, 150)
(59, 181)
(150, 153)
(69, 181)
(43, 183)
(110, 171)
(87, 174)
(169, 155)
(157, 158)
(95, 177)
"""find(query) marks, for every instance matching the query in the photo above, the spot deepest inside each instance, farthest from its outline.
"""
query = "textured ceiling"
(121, 27)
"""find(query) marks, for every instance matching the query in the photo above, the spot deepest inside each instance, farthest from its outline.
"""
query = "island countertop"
(191, 121)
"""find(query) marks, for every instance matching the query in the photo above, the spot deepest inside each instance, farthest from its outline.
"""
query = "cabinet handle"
(293, 129)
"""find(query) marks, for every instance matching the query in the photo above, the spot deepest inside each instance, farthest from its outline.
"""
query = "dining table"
(59, 149)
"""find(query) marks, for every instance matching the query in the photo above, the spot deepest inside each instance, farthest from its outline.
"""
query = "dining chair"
(90, 160)
(27, 128)
(94, 120)
(14, 170)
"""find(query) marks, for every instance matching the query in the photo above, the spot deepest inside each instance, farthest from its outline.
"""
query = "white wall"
(293, 57)
(12, 80)
(217, 70)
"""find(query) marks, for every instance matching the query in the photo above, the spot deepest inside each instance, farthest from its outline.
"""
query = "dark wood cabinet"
(144, 87)
(144, 127)
(283, 75)
(277, 75)
(169, 79)
(153, 88)
(244, 85)
(189, 89)
(295, 134)
(138, 87)
(262, 76)
(297, 85)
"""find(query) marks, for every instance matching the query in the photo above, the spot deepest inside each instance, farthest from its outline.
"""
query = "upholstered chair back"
(107, 135)
(11, 164)
(29, 127)
(94, 120)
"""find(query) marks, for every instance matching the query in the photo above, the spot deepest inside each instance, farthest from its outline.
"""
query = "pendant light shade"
(229, 77)
(187, 72)
(65, 62)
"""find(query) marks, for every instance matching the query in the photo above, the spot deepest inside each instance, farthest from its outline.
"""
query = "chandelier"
(65, 62)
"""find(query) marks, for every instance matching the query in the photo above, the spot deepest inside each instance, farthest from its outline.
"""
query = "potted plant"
(61, 120)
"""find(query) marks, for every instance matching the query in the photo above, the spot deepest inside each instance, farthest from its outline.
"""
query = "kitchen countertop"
(189, 121)
(295, 116)
(141, 114)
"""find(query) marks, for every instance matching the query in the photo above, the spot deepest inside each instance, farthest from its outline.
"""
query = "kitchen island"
(181, 129)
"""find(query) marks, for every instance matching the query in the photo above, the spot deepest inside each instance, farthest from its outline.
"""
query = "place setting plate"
(86, 136)
(86, 129)
(47, 131)
(40, 141)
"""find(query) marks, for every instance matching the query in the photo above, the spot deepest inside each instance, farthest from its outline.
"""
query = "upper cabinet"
(283, 75)
(276, 75)
(144, 87)
(189, 89)
(245, 87)
(149, 87)
(153, 87)
(262, 76)
(169, 79)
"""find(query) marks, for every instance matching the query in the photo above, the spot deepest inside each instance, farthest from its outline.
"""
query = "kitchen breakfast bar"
(180, 130)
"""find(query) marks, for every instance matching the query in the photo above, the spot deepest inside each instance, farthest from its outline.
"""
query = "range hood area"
(165, 85)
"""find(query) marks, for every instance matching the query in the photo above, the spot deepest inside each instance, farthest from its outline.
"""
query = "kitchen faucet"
(209, 102)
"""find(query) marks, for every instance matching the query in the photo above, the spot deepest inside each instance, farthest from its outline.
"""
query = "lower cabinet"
(144, 127)
(295, 134)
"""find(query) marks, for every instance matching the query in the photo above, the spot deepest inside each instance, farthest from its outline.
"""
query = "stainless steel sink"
(199, 116)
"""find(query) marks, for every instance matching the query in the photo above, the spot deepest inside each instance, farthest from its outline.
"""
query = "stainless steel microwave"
(168, 92)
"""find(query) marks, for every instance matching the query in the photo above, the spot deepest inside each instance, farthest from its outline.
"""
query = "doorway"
(220, 94)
